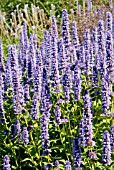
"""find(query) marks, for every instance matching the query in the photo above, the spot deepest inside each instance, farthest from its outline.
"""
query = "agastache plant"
(61, 56)
(109, 22)
(31, 59)
(87, 53)
(2, 70)
(77, 153)
(87, 118)
(45, 101)
(56, 165)
(8, 79)
(26, 93)
(6, 164)
(34, 112)
(57, 115)
(66, 34)
(1, 85)
(109, 53)
(106, 150)
(47, 47)
(102, 48)
(67, 83)
(77, 81)
(67, 165)
(15, 79)
(55, 81)
(25, 136)
(44, 131)
(112, 137)
(81, 132)
(15, 128)
(105, 96)
(75, 38)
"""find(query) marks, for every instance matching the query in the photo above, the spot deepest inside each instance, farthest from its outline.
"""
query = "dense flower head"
(44, 131)
(25, 136)
(57, 115)
(102, 48)
(47, 51)
(106, 150)
(67, 83)
(105, 96)
(6, 164)
(112, 137)
(61, 56)
(95, 77)
(26, 92)
(55, 82)
(56, 165)
(15, 79)
(109, 53)
(109, 21)
(77, 153)
(92, 155)
(75, 38)
(67, 165)
(77, 81)
(34, 112)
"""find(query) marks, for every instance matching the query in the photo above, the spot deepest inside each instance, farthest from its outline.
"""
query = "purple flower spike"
(25, 136)
(109, 21)
(35, 107)
(6, 165)
(44, 131)
(77, 153)
(75, 38)
(112, 138)
(56, 166)
(106, 155)
(57, 115)
(61, 56)
(77, 81)
(102, 48)
(67, 165)
(92, 155)
(67, 83)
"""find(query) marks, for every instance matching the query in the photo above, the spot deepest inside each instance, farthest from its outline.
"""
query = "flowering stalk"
(109, 53)
(75, 38)
(87, 53)
(101, 49)
(56, 166)
(66, 81)
(6, 165)
(67, 165)
(15, 79)
(66, 33)
(55, 82)
(26, 93)
(77, 81)
(106, 150)
(77, 153)
(109, 22)
(15, 128)
(31, 59)
(105, 96)
(34, 112)
(47, 48)
(44, 131)
(87, 120)
(57, 115)
(25, 136)
(112, 138)
(61, 57)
